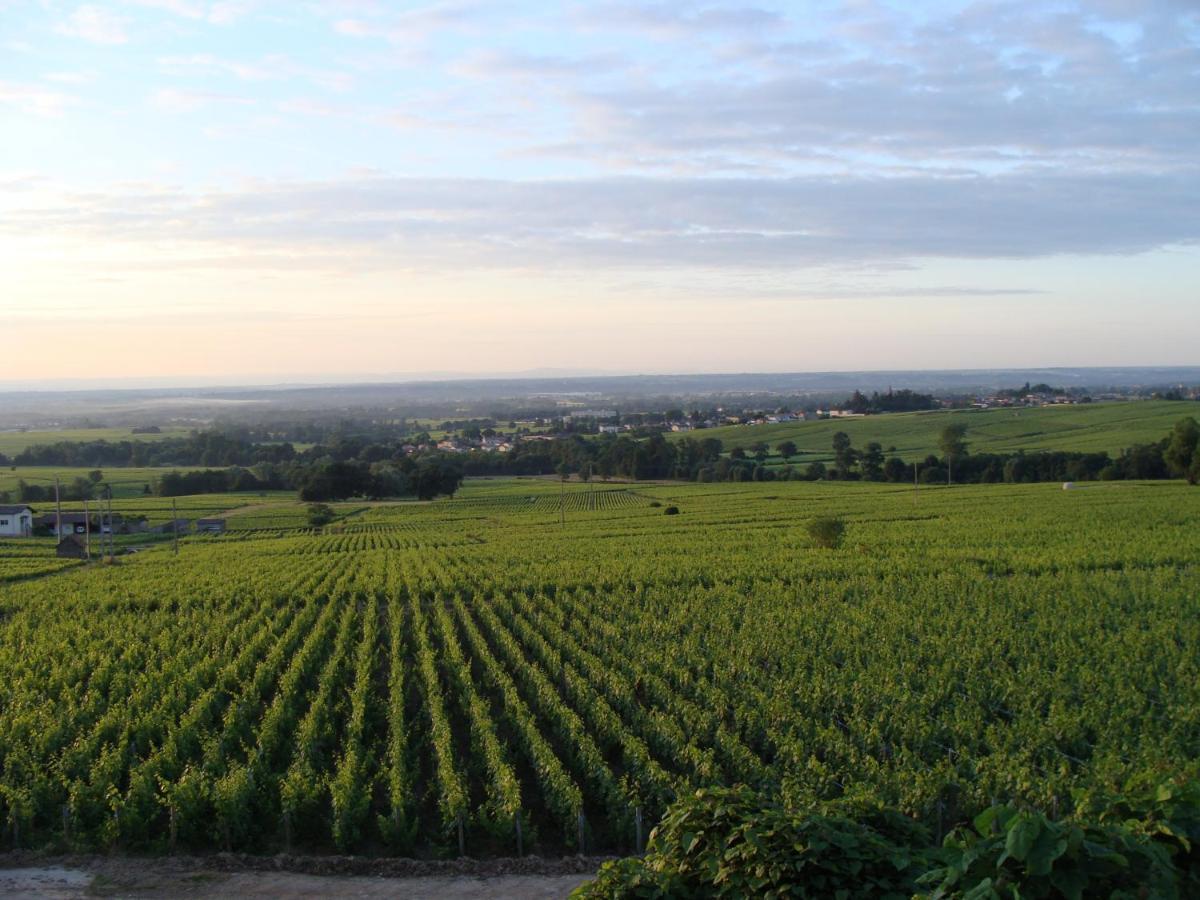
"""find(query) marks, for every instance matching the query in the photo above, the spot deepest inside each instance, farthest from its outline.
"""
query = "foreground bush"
(731, 842)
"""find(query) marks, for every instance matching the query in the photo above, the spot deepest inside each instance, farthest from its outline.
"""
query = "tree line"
(359, 467)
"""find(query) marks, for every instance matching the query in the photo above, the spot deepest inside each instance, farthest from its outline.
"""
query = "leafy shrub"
(671, 511)
(827, 531)
(1011, 853)
(731, 842)
(655, 504)
(320, 514)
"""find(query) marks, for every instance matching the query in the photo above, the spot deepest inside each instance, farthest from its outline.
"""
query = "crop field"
(1089, 428)
(420, 677)
(21, 559)
(127, 482)
(13, 442)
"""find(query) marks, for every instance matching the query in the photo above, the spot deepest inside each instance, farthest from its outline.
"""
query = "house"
(210, 526)
(72, 523)
(16, 521)
(71, 547)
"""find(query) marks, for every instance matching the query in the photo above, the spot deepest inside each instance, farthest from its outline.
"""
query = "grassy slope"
(1092, 427)
(13, 442)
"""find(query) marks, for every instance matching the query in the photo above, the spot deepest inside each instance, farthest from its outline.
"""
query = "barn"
(16, 521)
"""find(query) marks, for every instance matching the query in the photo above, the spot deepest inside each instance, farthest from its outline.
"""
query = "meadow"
(528, 667)
(13, 442)
(1087, 428)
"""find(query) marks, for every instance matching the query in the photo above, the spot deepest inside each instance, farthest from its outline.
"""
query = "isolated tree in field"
(786, 449)
(320, 514)
(1181, 450)
(952, 443)
(844, 455)
(872, 461)
(827, 531)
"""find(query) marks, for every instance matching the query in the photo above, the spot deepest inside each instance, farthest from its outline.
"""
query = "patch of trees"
(1175, 456)
(893, 401)
(426, 477)
(79, 488)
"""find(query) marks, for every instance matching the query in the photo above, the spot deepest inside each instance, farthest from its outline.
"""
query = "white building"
(16, 521)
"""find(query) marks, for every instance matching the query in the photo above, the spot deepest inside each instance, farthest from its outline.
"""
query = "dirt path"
(70, 877)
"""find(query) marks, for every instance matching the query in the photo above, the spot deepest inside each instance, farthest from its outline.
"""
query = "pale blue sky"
(356, 188)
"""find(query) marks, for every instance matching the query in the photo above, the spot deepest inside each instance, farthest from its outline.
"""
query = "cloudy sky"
(275, 190)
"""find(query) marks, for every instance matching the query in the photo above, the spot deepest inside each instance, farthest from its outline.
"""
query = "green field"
(1087, 428)
(126, 482)
(417, 669)
(13, 442)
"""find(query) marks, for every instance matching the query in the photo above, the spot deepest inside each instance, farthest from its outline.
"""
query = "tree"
(895, 469)
(953, 445)
(1181, 447)
(737, 453)
(320, 514)
(843, 454)
(786, 449)
(872, 461)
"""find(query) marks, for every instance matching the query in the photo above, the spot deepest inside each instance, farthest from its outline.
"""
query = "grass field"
(13, 442)
(474, 666)
(1087, 428)
(126, 482)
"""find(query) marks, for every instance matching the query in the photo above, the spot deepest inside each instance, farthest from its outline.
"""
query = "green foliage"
(671, 511)
(1013, 853)
(1181, 454)
(476, 661)
(320, 514)
(827, 531)
(730, 842)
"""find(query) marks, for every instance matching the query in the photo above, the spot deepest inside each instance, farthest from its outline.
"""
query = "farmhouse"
(16, 521)
(210, 526)
(78, 523)
(72, 523)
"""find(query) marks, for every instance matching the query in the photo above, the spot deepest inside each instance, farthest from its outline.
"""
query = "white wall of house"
(18, 524)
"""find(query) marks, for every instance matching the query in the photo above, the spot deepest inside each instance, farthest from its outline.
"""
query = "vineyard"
(533, 668)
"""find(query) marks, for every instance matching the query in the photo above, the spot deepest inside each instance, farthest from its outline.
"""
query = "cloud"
(175, 100)
(677, 18)
(95, 24)
(33, 99)
(701, 224)
(221, 13)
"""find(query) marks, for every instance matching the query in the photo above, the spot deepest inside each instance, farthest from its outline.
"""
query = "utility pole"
(57, 511)
(562, 499)
(87, 531)
(916, 489)
(175, 525)
(112, 538)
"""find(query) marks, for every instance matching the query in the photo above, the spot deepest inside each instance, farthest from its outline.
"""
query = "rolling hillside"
(1089, 428)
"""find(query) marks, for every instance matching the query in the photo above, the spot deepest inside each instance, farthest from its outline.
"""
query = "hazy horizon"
(193, 189)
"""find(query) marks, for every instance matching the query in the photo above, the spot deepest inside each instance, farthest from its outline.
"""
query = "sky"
(239, 190)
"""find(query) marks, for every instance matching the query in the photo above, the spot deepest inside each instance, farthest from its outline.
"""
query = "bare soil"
(32, 875)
